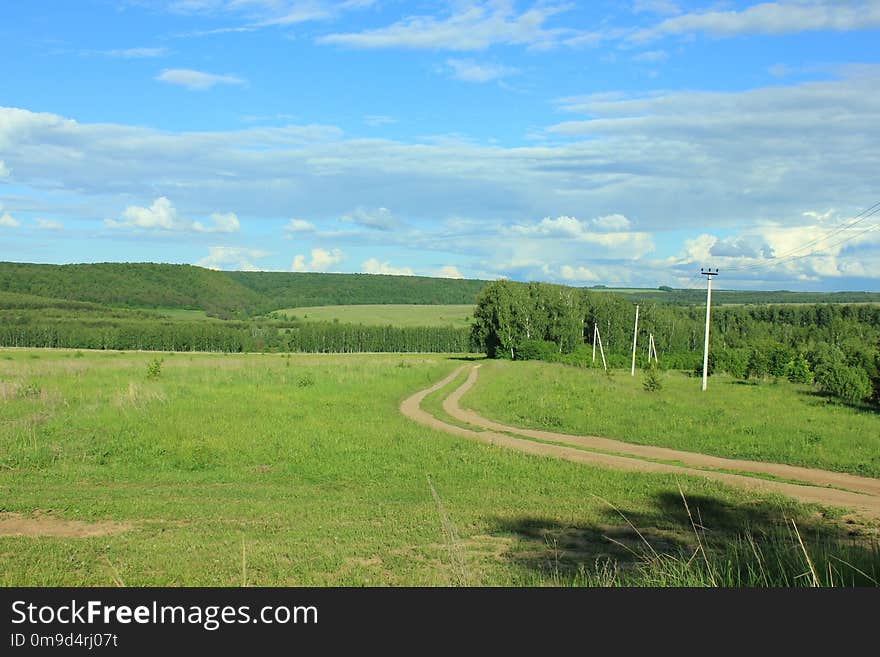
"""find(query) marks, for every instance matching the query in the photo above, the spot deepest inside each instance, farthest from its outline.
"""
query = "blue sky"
(616, 143)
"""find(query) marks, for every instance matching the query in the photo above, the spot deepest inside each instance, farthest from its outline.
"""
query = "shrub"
(850, 384)
(652, 381)
(306, 380)
(799, 370)
(154, 369)
(537, 350)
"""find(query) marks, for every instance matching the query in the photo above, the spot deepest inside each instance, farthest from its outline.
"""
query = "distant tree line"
(834, 346)
(32, 329)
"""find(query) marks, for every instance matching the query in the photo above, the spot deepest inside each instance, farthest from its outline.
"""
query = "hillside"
(293, 290)
(132, 285)
(223, 294)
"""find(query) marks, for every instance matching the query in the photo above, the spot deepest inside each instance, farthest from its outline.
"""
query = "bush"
(850, 384)
(799, 370)
(154, 369)
(652, 381)
(537, 350)
(306, 380)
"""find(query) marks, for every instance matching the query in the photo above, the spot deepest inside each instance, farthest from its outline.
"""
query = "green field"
(766, 421)
(299, 470)
(385, 314)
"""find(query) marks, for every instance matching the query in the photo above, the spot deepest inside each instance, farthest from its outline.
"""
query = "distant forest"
(221, 294)
(241, 295)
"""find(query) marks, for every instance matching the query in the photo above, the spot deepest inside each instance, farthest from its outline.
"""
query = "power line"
(792, 254)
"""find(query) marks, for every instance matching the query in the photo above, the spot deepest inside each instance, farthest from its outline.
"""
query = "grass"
(386, 314)
(775, 422)
(299, 470)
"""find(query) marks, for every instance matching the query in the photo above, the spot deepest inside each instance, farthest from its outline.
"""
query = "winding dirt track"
(862, 494)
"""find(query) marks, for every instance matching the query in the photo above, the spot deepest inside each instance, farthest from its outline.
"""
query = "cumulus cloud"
(161, 215)
(322, 260)
(449, 271)
(48, 224)
(470, 71)
(373, 266)
(220, 223)
(8, 221)
(299, 226)
(232, 257)
(578, 274)
(197, 80)
(611, 223)
(4, 170)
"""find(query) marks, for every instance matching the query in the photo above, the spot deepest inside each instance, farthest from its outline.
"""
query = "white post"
(595, 332)
(635, 338)
(706, 344)
(601, 349)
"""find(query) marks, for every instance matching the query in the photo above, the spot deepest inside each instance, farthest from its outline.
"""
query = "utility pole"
(708, 273)
(635, 337)
(595, 332)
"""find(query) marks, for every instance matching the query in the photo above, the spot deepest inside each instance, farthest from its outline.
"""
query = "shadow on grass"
(469, 358)
(831, 400)
(749, 544)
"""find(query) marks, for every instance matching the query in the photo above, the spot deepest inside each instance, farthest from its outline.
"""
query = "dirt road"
(861, 494)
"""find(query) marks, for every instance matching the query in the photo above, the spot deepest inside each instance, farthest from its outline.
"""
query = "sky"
(598, 143)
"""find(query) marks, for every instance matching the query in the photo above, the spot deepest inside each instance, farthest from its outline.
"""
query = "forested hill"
(223, 294)
(133, 285)
(291, 290)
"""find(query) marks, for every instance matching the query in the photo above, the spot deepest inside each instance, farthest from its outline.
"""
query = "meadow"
(770, 420)
(458, 315)
(274, 469)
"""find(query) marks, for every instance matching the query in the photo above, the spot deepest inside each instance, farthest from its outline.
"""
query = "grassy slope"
(387, 314)
(307, 461)
(778, 422)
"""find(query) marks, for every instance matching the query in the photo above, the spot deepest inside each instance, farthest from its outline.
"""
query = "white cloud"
(49, 224)
(231, 257)
(163, 216)
(299, 226)
(608, 232)
(449, 271)
(220, 223)
(8, 221)
(579, 274)
(475, 26)
(322, 260)
(378, 219)
(652, 56)
(378, 120)
(131, 53)
(196, 80)
(772, 18)
(373, 266)
(611, 223)
(4, 170)
(470, 71)
(666, 7)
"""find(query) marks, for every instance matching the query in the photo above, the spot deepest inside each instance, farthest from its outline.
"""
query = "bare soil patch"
(15, 524)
